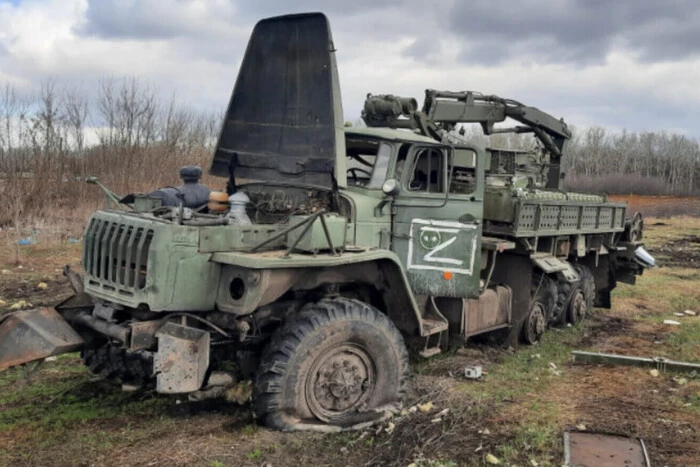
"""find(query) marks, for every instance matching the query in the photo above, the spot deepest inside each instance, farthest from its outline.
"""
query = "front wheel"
(336, 364)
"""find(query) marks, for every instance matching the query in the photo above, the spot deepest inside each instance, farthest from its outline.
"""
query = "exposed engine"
(193, 203)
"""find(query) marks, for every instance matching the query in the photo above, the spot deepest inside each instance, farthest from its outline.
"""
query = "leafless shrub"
(44, 157)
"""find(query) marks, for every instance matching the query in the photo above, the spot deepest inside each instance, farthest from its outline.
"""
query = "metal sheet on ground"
(599, 450)
(30, 335)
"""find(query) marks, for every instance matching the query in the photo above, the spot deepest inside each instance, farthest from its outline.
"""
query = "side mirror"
(391, 187)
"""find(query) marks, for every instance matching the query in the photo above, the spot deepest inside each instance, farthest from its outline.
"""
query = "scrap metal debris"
(473, 372)
(602, 450)
(659, 363)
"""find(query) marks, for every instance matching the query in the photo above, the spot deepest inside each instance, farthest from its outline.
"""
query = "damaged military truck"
(329, 251)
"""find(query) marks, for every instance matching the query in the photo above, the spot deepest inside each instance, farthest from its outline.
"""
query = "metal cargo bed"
(535, 217)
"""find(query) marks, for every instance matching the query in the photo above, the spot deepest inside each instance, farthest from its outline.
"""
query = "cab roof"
(389, 134)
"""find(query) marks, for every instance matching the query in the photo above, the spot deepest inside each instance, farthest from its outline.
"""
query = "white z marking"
(430, 256)
(443, 264)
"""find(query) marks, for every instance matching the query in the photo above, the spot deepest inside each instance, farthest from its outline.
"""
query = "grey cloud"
(580, 31)
(486, 32)
(264, 8)
(109, 19)
(151, 19)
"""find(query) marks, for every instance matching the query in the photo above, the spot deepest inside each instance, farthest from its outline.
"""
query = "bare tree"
(177, 126)
(107, 109)
(76, 112)
(14, 111)
(47, 120)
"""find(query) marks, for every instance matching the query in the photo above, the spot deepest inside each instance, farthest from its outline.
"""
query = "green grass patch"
(528, 369)
(686, 341)
(63, 395)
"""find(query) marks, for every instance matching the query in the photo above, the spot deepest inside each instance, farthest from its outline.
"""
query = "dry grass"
(55, 191)
(661, 206)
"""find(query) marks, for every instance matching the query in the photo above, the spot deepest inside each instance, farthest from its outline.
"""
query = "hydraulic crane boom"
(443, 110)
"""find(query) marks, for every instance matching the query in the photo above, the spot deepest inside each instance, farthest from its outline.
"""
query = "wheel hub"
(341, 380)
(578, 307)
(536, 323)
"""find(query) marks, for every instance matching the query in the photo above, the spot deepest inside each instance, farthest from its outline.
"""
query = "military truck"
(334, 250)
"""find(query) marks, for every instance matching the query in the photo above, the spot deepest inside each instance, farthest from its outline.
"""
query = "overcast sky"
(631, 64)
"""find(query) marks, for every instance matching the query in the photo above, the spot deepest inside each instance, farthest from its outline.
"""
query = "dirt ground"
(517, 412)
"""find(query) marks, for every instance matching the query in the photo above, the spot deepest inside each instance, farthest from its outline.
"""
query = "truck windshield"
(368, 161)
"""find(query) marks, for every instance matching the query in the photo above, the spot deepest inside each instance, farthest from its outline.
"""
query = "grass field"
(62, 415)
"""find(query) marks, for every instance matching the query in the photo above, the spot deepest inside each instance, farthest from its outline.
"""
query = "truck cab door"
(437, 214)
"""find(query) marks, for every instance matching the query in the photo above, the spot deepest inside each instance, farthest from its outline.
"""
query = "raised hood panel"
(284, 120)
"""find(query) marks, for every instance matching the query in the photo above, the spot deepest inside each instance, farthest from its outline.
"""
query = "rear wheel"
(535, 324)
(575, 299)
(542, 306)
(577, 307)
(337, 363)
(583, 297)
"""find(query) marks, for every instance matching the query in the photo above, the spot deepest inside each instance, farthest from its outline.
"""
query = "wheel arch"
(267, 280)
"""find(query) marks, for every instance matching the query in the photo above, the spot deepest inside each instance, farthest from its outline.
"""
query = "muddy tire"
(535, 324)
(542, 307)
(544, 289)
(583, 296)
(575, 299)
(337, 363)
(114, 363)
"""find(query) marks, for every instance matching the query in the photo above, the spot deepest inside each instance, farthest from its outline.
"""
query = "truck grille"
(115, 255)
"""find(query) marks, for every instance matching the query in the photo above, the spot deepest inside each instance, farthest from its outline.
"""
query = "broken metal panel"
(658, 362)
(550, 264)
(30, 335)
(182, 358)
(285, 110)
(600, 450)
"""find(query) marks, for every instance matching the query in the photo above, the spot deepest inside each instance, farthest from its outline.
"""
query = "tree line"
(620, 162)
(123, 131)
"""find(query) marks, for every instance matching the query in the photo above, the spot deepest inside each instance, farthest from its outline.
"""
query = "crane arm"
(443, 110)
